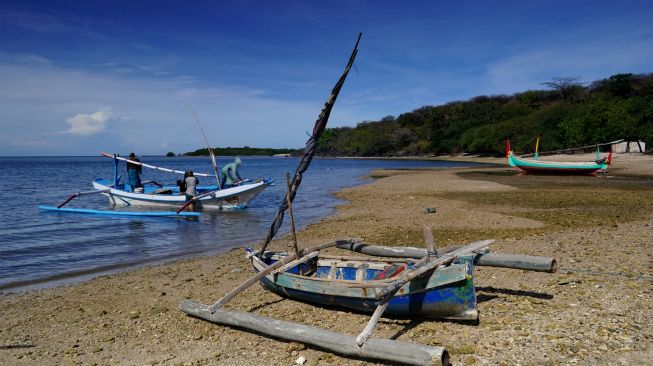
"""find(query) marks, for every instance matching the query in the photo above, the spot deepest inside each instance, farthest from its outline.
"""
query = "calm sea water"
(39, 249)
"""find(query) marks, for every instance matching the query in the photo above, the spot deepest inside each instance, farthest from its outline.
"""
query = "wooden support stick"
(243, 286)
(390, 351)
(371, 324)
(292, 218)
(430, 243)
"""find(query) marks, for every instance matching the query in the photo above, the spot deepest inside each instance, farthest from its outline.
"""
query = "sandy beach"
(596, 310)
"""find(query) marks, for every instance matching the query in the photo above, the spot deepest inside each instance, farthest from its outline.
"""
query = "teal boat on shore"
(536, 166)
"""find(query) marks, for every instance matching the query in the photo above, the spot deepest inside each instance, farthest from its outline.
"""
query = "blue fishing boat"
(152, 193)
(359, 283)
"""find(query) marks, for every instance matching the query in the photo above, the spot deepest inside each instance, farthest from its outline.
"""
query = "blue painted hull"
(121, 213)
(434, 295)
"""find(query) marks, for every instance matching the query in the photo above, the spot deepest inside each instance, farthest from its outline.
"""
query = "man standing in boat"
(191, 185)
(230, 176)
(134, 172)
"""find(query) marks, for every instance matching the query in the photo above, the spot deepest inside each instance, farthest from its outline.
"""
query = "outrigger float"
(536, 166)
(399, 281)
(153, 194)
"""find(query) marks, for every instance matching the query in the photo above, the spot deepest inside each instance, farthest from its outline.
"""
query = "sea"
(44, 249)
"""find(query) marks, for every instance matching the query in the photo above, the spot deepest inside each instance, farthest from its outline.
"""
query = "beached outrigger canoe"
(536, 166)
(154, 194)
(428, 283)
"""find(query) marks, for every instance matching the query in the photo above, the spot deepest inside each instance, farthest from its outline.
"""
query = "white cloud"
(45, 108)
(89, 124)
(591, 61)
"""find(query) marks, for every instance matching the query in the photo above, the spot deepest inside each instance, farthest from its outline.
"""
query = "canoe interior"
(445, 293)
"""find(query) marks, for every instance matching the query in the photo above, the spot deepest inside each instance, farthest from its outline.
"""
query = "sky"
(82, 77)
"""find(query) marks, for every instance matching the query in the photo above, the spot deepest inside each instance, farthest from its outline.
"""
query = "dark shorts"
(189, 197)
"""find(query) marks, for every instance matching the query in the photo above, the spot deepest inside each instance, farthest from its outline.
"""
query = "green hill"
(242, 151)
(569, 114)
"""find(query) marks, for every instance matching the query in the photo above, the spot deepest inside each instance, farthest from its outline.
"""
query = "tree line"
(241, 151)
(567, 115)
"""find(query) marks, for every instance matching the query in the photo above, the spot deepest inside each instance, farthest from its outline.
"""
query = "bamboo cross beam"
(424, 265)
(79, 194)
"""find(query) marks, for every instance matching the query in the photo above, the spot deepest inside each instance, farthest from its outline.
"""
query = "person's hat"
(132, 154)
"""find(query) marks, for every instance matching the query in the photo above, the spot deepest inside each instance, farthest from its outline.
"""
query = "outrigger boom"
(153, 166)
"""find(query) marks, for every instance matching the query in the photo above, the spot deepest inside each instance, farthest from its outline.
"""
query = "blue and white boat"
(154, 194)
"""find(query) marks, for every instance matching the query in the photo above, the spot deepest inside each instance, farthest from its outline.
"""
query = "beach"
(597, 309)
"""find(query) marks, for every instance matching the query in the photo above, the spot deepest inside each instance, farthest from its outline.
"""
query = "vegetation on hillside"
(241, 151)
(570, 114)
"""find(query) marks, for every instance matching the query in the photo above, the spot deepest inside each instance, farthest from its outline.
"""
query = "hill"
(242, 151)
(569, 114)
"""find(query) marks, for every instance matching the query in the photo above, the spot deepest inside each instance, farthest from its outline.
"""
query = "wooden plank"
(377, 349)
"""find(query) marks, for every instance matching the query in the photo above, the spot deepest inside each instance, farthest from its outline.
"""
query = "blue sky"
(80, 77)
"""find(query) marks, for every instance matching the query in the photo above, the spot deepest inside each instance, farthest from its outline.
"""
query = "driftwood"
(375, 348)
(505, 260)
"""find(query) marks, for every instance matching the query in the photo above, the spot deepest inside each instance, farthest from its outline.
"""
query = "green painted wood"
(442, 277)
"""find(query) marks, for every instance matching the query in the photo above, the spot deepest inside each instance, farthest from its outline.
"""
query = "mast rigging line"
(154, 166)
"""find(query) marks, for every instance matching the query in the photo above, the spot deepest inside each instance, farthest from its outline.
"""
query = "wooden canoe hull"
(552, 167)
(444, 293)
(229, 198)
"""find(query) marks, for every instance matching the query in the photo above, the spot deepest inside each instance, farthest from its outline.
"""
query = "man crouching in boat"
(191, 184)
(230, 176)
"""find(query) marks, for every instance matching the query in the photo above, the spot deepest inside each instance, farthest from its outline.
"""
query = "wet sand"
(597, 309)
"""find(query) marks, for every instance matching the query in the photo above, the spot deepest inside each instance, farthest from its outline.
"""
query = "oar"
(78, 194)
(371, 324)
(199, 196)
